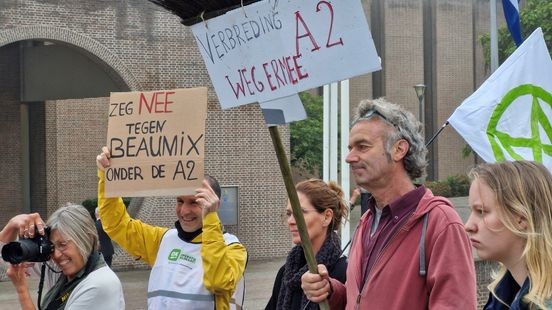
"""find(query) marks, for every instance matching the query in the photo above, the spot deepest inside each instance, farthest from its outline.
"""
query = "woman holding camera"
(85, 282)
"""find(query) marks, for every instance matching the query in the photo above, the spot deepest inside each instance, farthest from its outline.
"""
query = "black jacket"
(106, 247)
(337, 271)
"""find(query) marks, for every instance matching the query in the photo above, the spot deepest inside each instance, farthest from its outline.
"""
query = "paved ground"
(259, 279)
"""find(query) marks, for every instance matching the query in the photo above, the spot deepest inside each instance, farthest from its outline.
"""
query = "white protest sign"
(265, 51)
(283, 110)
(156, 141)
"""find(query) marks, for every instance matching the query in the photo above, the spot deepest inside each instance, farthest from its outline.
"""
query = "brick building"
(56, 53)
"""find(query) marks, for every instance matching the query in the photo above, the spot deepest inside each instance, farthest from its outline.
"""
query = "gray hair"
(405, 125)
(74, 222)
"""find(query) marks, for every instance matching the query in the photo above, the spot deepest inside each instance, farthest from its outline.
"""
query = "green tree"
(306, 136)
(536, 13)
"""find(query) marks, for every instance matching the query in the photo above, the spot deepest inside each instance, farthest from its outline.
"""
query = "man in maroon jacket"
(410, 250)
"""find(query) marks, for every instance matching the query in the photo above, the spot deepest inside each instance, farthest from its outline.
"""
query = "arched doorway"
(42, 107)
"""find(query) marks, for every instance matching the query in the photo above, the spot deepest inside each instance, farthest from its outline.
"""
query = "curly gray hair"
(405, 125)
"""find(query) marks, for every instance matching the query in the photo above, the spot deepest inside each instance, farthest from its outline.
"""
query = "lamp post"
(420, 91)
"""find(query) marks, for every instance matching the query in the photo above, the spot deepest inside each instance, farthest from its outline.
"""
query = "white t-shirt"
(101, 289)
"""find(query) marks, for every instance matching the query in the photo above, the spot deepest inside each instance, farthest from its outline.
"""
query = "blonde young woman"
(511, 222)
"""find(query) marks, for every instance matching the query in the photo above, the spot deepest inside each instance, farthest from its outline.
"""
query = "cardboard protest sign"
(269, 50)
(156, 140)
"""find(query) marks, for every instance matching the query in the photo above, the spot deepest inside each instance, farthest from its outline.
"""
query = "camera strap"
(41, 283)
(62, 289)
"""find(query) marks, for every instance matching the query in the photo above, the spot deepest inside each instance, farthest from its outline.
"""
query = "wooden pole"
(295, 206)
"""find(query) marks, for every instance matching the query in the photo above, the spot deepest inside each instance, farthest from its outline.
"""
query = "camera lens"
(13, 252)
(37, 249)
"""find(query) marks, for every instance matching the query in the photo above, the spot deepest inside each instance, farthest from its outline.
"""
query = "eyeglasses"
(368, 115)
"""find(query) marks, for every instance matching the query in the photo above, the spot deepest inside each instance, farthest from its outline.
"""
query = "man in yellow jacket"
(194, 265)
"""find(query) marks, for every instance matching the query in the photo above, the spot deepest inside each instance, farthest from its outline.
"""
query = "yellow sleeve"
(223, 264)
(138, 239)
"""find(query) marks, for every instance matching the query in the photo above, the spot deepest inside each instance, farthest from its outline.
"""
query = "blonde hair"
(75, 223)
(324, 196)
(524, 189)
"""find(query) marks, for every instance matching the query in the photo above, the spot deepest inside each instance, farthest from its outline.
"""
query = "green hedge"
(453, 186)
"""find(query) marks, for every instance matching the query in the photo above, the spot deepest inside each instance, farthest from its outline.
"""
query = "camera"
(37, 249)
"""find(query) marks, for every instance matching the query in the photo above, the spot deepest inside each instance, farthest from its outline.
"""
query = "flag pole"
(295, 206)
(437, 133)
(494, 37)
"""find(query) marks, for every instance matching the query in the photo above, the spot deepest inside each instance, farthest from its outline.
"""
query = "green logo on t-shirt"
(177, 255)
(173, 256)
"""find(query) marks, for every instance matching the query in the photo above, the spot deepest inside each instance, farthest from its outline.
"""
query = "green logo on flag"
(173, 256)
(502, 141)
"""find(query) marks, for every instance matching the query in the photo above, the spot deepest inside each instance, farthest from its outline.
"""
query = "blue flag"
(511, 13)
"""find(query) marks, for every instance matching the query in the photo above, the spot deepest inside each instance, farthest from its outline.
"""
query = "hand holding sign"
(102, 160)
(207, 198)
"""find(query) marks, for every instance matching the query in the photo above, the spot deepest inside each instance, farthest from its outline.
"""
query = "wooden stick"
(295, 206)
